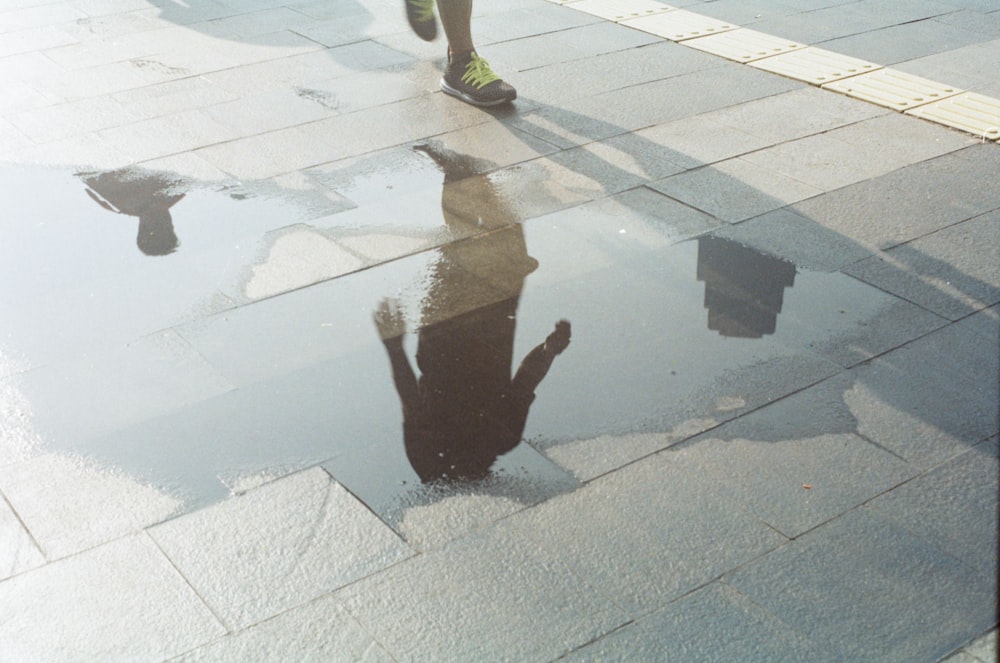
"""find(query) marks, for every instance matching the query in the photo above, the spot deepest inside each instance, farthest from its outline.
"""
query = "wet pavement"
(676, 358)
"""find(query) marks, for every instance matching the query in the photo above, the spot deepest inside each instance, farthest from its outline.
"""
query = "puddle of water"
(415, 383)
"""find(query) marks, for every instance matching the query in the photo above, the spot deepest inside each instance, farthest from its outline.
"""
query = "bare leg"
(456, 17)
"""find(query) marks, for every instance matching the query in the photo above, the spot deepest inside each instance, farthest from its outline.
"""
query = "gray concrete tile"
(646, 528)
(566, 45)
(446, 604)
(986, 323)
(274, 153)
(970, 68)
(905, 41)
(519, 23)
(698, 140)
(953, 272)
(319, 632)
(742, 12)
(277, 546)
(900, 141)
(797, 238)
(34, 39)
(269, 111)
(794, 483)
(711, 624)
(735, 190)
(953, 192)
(953, 506)
(866, 589)
(801, 112)
(823, 161)
(819, 25)
(91, 82)
(619, 163)
(985, 647)
(988, 24)
(71, 503)
(119, 601)
(173, 97)
(923, 399)
(65, 120)
(18, 552)
(367, 89)
(886, 12)
(560, 83)
(641, 106)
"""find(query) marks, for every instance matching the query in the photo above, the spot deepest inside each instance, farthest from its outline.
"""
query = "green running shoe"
(470, 78)
(420, 14)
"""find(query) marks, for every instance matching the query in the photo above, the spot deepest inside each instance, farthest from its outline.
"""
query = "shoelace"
(424, 9)
(478, 73)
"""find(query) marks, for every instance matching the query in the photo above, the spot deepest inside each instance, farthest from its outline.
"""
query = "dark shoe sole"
(469, 99)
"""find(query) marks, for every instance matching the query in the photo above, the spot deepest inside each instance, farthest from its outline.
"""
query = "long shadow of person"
(466, 410)
(148, 196)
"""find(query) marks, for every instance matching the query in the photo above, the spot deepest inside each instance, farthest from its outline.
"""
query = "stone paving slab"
(321, 631)
(952, 272)
(120, 601)
(277, 546)
(625, 156)
(950, 507)
(712, 623)
(862, 587)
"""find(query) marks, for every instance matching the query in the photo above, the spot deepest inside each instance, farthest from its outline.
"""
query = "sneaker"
(470, 78)
(420, 14)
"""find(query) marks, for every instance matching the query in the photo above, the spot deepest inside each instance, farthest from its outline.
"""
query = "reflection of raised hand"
(558, 340)
(535, 366)
(389, 320)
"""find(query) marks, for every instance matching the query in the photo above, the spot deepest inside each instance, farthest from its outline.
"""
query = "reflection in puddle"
(465, 410)
(644, 369)
(744, 288)
(145, 195)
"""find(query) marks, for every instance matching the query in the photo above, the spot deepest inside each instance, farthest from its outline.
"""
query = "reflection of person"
(466, 76)
(744, 288)
(466, 410)
(148, 197)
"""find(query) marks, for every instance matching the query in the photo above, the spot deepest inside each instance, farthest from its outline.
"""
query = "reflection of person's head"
(156, 232)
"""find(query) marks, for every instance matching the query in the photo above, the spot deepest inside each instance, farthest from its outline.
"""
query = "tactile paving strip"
(620, 10)
(975, 113)
(893, 89)
(943, 104)
(815, 65)
(680, 25)
(744, 45)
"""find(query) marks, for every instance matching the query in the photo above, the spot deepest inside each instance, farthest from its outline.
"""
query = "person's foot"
(470, 78)
(420, 14)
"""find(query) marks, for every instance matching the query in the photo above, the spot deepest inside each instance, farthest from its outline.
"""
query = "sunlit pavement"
(675, 358)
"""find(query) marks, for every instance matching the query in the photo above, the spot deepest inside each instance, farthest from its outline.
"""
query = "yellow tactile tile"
(680, 25)
(815, 65)
(893, 89)
(620, 10)
(744, 45)
(975, 113)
